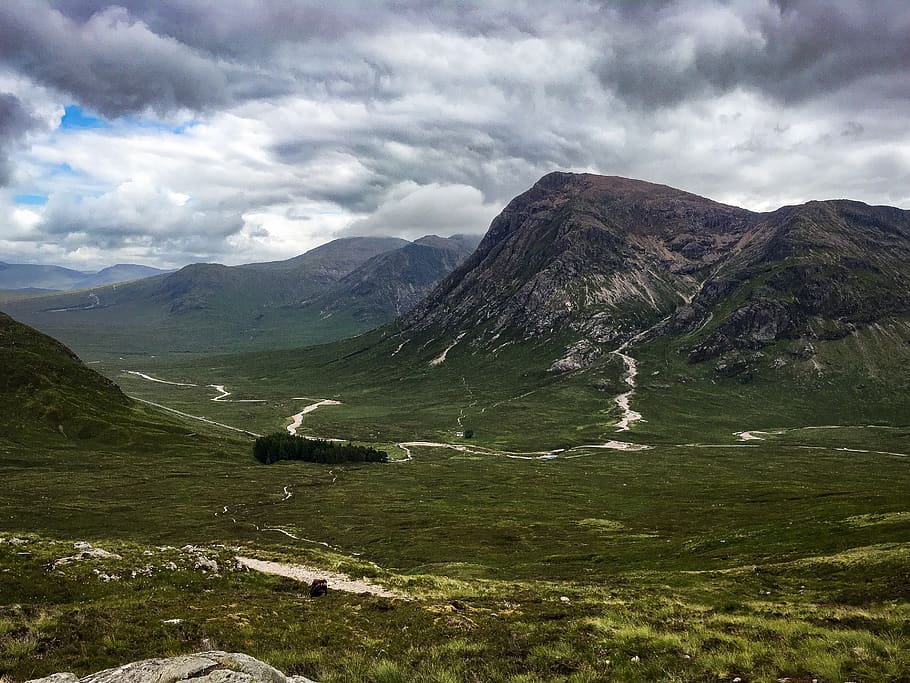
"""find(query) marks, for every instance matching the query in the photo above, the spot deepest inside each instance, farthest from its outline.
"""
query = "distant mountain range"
(14, 276)
(336, 290)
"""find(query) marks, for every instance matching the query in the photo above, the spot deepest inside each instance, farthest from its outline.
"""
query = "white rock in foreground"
(205, 667)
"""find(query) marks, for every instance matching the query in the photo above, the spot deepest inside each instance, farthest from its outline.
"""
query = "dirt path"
(225, 393)
(96, 303)
(629, 416)
(297, 420)
(750, 436)
(196, 417)
(160, 381)
(441, 358)
(305, 573)
(623, 401)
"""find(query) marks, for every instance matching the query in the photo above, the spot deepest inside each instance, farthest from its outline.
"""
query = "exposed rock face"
(205, 667)
(814, 271)
(391, 283)
(590, 257)
(594, 261)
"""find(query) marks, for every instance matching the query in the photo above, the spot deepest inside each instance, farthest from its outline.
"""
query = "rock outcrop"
(204, 667)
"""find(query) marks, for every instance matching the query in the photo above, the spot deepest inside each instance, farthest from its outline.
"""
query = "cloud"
(15, 121)
(111, 62)
(412, 211)
(789, 51)
(285, 123)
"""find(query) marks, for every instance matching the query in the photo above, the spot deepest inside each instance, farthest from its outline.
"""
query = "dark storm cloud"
(15, 121)
(111, 62)
(791, 51)
(134, 54)
(241, 27)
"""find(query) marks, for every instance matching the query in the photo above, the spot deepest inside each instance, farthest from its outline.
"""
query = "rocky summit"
(205, 667)
(596, 261)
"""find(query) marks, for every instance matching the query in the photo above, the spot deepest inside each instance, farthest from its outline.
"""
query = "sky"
(171, 132)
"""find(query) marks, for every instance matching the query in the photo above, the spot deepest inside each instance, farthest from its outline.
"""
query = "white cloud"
(411, 211)
(309, 120)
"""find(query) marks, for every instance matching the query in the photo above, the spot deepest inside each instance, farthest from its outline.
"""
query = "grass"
(751, 562)
(634, 628)
(785, 557)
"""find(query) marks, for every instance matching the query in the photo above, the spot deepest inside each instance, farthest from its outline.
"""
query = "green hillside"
(44, 388)
(337, 290)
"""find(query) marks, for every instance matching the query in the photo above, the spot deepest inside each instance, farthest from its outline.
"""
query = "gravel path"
(302, 572)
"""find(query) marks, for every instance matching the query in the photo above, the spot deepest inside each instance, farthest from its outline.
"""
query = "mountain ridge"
(205, 307)
(601, 259)
(19, 276)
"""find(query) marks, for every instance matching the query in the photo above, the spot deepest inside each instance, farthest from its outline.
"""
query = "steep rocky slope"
(596, 261)
(587, 257)
(817, 271)
(392, 283)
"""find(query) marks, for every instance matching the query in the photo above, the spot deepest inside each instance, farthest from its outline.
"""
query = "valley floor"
(765, 551)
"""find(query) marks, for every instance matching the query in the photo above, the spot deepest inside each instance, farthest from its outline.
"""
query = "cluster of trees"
(284, 446)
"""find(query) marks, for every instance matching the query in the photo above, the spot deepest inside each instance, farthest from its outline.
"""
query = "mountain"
(600, 302)
(24, 275)
(315, 297)
(27, 276)
(122, 272)
(599, 260)
(585, 256)
(45, 388)
(392, 283)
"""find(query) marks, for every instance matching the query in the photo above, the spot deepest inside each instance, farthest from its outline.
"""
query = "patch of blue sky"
(62, 170)
(31, 199)
(75, 118)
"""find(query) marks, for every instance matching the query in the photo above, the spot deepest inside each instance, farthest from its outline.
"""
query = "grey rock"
(204, 667)
(56, 678)
(155, 670)
(223, 676)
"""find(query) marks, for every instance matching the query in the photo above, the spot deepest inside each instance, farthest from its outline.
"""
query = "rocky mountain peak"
(582, 254)
(593, 261)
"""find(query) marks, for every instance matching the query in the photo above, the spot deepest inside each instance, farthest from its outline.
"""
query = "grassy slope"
(796, 619)
(655, 550)
(511, 401)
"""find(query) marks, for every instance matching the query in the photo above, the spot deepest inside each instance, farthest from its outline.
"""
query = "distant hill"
(315, 297)
(122, 272)
(392, 283)
(27, 276)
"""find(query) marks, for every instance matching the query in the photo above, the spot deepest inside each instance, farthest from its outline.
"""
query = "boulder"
(204, 667)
